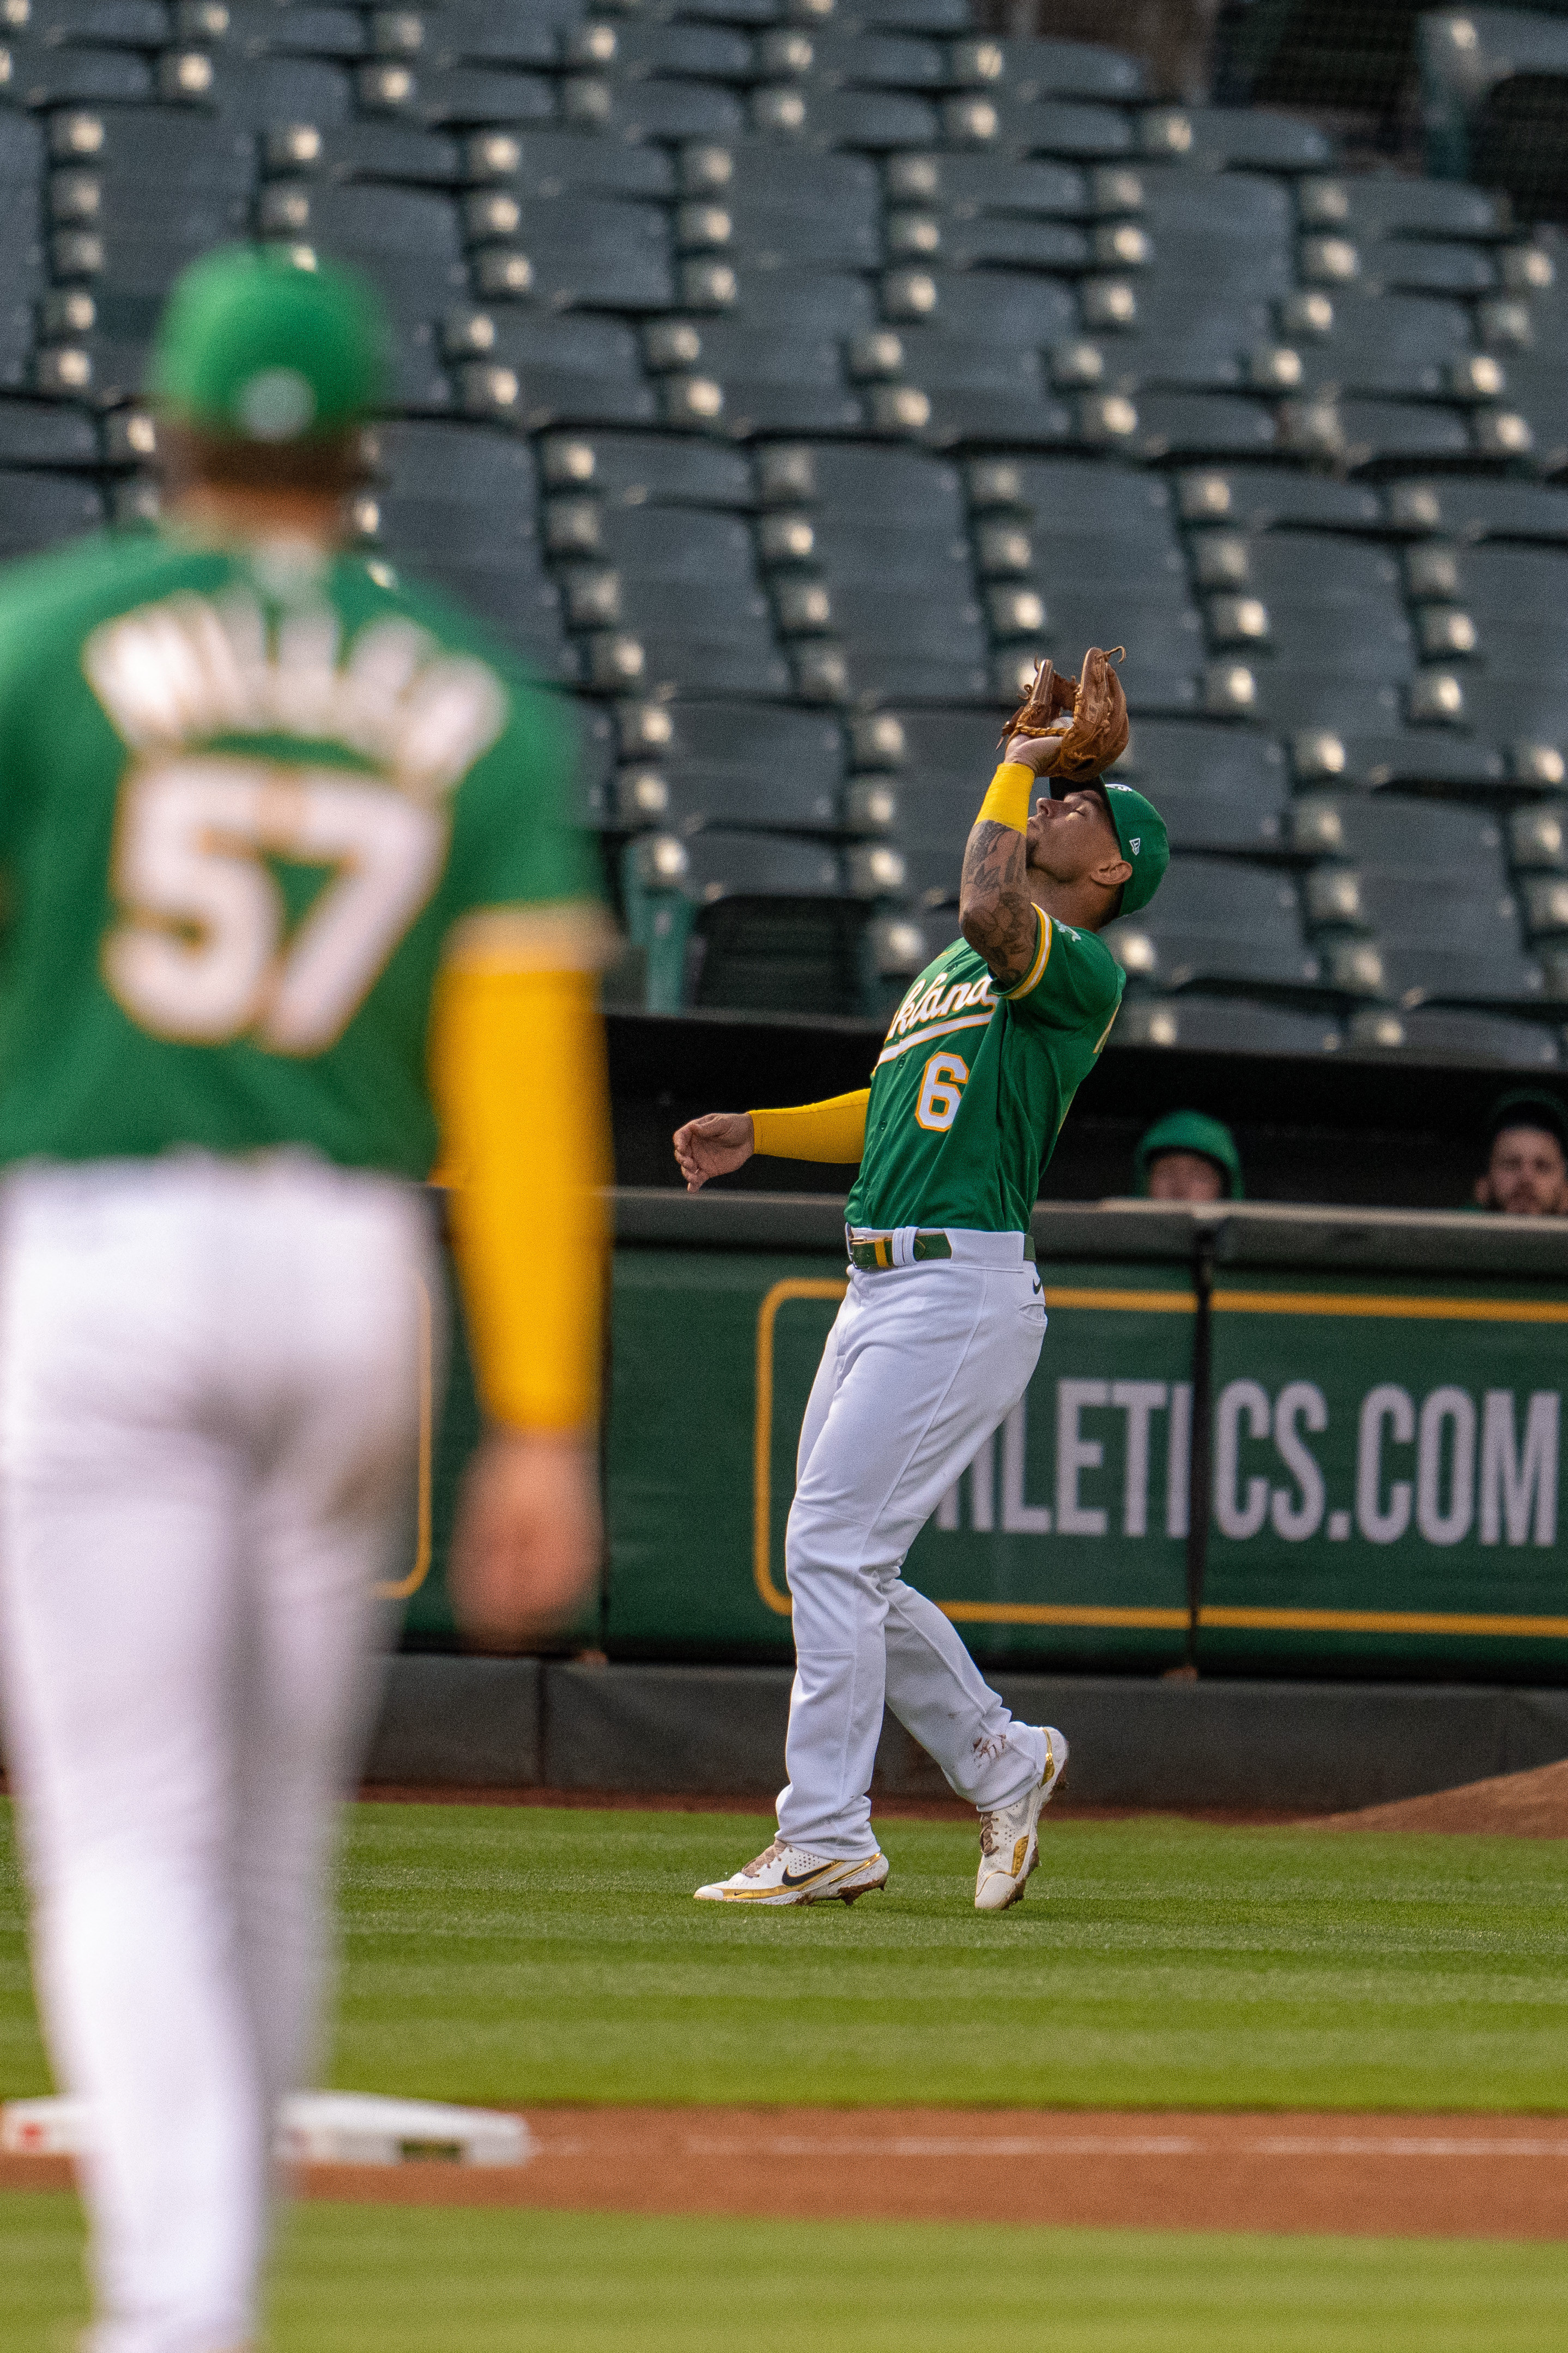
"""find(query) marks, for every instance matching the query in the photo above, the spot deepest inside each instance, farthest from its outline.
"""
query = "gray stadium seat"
(772, 383)
(1225, 1024)
(1234, 138)
(806, 953)
(548, 163)
(1403, 344)
(1444, 1033)
(1218, 920)
(688, 764)
(1473, 507)
(40, 77)
(581, 251)
(654, 109)
(1429, 883)
(1218, 788)
(35, 510)
(404, 153)
(1255, 498)
(978, 182)
(633, 469)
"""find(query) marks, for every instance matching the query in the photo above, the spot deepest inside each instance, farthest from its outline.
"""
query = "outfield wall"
(1370, 1404)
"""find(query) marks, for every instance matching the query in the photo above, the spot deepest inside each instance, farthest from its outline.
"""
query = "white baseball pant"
(208, 1414)
(924, 1360)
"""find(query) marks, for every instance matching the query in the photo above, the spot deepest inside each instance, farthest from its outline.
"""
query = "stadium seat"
(1001, 308)
(41, 77)
(661, 108)
(1406, 345)
(546, 162)
(633, 50)
(45, 433)
(771, 383)
(1471, 506)
(1225, 1024)
(1217, 788)
(688, 764)
(1428, 881)
(1037, 69)
(1218, 921)
(544, 368)
(405, 153)
(496, 32)
(575, 250)
(1255, 498)
(1447, 1033)
(975, 182)
(975, 393)
(35, 510)
(631, 469)
(1233, 138)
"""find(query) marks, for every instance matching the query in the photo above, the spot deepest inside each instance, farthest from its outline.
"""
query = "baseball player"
(942, 1323)
(263, 807)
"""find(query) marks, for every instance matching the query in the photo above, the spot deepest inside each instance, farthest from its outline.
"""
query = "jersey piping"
(1035, 973)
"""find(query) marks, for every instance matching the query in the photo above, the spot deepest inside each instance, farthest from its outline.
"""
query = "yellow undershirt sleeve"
(1008, 800)
(834, 1130)
(517, 1071)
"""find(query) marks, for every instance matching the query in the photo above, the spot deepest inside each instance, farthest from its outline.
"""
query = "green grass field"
(366, 2279)
(521, 1955)
(513, 1955)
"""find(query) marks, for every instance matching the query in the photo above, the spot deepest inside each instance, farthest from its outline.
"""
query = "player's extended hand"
(714, 1146)
(525, 1549)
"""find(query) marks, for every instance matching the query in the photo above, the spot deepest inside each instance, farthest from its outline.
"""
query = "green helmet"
(265, 343)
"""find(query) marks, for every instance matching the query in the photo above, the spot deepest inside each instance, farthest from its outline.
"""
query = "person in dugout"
(1187, 1156)
(1525, 1142)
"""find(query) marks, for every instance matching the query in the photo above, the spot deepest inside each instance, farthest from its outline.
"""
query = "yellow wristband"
(1007, 801)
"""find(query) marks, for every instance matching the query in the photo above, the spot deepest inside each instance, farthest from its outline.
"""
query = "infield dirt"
(1363, 2175)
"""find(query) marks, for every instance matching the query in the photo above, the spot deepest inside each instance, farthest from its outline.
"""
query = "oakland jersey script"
(243, 797)
(972, 1087)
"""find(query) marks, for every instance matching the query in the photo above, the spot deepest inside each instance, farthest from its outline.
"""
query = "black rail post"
(1200, 1437)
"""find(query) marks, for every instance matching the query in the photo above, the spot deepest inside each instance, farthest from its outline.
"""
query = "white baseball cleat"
(788, 1874)
(1009, 1835)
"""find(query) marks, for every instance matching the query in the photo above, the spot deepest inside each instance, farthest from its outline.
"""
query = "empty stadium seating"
(783, 377)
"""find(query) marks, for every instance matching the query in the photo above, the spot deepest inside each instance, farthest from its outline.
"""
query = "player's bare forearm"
(996, 911)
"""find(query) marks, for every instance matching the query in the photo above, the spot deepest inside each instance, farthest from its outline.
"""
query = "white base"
(313, 2129)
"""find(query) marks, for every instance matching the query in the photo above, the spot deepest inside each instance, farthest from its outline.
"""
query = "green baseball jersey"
(972, 1087)
(244, 794)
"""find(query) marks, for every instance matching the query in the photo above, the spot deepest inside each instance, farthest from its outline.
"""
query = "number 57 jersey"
(972, 1086)
(245, 796)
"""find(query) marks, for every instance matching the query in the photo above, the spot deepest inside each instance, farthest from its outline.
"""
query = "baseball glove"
(1089, 714)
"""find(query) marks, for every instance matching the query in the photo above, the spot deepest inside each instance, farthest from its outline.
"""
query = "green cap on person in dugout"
(1189, 1131)
(270, 344)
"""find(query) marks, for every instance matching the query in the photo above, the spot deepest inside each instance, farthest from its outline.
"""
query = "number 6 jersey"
(245, 796)
(972, 1087)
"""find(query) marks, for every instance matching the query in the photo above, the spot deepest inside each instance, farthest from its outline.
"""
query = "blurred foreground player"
(940, 1330)
(261, 807)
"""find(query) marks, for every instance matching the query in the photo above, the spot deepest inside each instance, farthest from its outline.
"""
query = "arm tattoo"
(996, 913)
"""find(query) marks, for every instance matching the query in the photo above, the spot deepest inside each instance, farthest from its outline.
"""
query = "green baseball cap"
(267, 343)
(1145, 844)
(1189, 1131)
